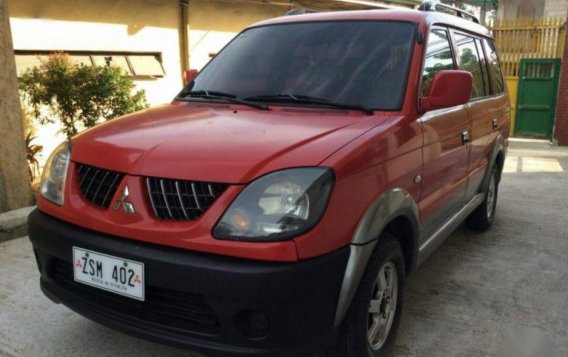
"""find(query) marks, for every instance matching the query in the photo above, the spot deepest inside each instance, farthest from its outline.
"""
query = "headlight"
(278, 206)
(54, 174)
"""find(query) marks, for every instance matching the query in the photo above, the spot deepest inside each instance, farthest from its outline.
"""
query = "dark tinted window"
(470, 60)
(438, 57)
(494, 67)
(486, 89)
(360, 63)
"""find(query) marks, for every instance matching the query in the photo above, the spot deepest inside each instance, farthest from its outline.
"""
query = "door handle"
(495, 123)
(465, 137)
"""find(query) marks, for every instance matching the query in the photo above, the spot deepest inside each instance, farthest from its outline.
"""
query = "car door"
(471, 58)
(445, 151)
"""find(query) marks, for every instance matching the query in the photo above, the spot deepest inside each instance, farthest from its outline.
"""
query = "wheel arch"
(402, 228)
(496, 159)
(500, 162)
(394, 211)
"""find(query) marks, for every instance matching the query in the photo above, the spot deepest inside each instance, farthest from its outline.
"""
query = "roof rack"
(300, 11)
(432, 5)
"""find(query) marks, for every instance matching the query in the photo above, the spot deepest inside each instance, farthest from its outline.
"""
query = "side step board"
(438, 237)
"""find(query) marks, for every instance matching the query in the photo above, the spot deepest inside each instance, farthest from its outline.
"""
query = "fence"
(541, 37)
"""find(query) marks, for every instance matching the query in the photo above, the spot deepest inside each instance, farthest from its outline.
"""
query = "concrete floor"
(501, 293)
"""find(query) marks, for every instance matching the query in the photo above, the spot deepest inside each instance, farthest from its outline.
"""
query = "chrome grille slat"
(181, 200)
(112, 184)
(93, 178)
(151, 196)
(97, 185)
(195, 196)
(85, 174)
(100, 185)
(166, 199)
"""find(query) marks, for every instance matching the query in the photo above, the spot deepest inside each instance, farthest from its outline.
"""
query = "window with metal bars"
(135, 64)
(180, 199)
(98, 185)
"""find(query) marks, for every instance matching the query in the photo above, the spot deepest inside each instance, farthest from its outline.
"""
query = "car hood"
(216, 143)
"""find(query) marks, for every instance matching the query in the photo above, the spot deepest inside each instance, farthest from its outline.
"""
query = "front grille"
(182, 200)
(169, 309)
(98, 185)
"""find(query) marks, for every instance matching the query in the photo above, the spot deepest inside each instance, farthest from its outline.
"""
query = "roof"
(424, 17)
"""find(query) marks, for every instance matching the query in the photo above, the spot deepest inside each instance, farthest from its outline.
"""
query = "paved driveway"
(476, 296)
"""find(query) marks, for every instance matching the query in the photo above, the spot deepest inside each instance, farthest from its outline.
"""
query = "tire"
(353, 340)
(482, 218)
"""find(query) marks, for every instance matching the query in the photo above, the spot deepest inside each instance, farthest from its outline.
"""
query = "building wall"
(556, 8)
(561, 121)
(511, 9)
(104, 25)
(212, 24)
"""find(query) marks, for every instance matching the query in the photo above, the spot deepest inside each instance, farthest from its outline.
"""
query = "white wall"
(556, 8)
(542, 8)
(104, 25)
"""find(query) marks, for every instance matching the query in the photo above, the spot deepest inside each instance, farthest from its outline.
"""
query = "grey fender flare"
(498, 147)
(386, 207)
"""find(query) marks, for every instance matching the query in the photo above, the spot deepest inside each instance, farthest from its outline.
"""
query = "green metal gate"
(536, 98)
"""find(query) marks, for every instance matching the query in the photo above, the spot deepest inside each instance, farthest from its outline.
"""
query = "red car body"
(432, 164)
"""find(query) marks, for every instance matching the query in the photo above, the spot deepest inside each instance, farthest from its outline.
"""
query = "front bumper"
(214, 304)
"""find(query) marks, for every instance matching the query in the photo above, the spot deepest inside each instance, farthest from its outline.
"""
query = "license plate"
(114, 274)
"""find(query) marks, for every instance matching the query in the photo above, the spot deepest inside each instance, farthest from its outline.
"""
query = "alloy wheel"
(382, 307)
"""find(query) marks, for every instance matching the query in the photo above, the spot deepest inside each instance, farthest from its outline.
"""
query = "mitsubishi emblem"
(128, 207)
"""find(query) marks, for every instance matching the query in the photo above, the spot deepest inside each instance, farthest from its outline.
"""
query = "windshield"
(358, 63)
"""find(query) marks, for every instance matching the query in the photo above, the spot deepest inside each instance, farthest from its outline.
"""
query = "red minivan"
(277, 205)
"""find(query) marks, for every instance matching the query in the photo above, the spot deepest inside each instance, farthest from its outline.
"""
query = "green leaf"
(78, 96)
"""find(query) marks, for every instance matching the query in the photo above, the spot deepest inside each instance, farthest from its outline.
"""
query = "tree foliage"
(33, 151)
(78, 96)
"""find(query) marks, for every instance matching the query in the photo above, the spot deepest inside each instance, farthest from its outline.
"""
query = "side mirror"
(448, 89)
(188, 76)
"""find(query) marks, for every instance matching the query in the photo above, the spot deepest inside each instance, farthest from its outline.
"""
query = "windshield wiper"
(205, 94)
(306, 99)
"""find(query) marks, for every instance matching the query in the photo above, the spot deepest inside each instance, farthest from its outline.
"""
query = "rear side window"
(494, 67)
(486, 89)
(470, 60)
(438, 57)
